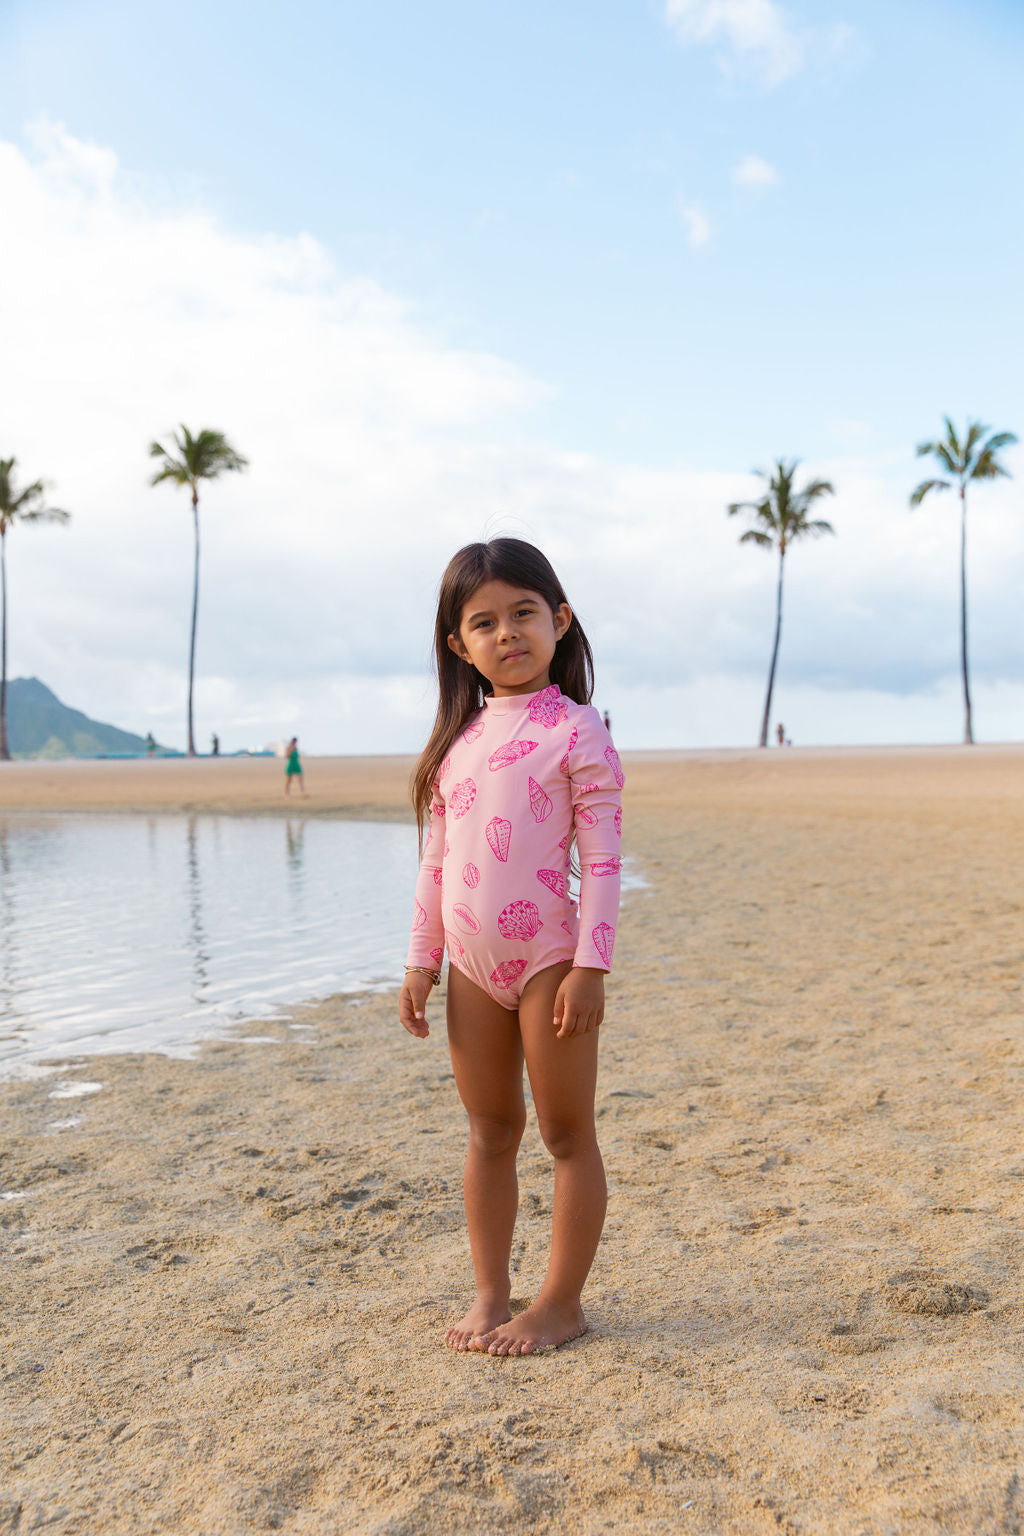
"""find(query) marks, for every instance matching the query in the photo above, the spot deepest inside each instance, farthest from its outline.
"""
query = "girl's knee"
(496, 1136)
(565, 1139)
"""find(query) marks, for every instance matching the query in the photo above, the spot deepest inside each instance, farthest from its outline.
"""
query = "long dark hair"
(461, 688)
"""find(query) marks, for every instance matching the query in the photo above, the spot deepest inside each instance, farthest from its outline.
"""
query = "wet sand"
(225, 1279)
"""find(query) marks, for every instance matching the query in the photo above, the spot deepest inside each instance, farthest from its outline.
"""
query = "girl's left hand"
(579, 1002)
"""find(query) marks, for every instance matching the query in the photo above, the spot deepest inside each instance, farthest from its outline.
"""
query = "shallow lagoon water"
(129, 933)
(150, 933)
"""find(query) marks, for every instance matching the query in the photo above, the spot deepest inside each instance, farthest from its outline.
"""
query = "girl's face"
(510, 634)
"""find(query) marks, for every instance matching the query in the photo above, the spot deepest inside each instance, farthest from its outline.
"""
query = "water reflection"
(200, 958)
(128, 933)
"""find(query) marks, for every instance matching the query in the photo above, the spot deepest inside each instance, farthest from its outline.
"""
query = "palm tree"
(24, 506)
(202, 457)
(780, 517)
(972, 457)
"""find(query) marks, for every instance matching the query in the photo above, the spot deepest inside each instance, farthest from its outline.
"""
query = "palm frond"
(817, 488)
(204, 456)
(46, 515)
(1000, 440)
(780, 516)
(975, 432)
(925, 488)
(988, 467)
(26, 505)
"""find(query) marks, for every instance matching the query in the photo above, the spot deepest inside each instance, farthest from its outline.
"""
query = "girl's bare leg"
(563, 1076)
(487, 1058)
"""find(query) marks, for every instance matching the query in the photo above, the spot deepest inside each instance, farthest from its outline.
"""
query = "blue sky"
(695, 235)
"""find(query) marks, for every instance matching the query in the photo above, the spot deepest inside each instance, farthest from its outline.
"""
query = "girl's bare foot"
(545, 1325)
(482, 1317)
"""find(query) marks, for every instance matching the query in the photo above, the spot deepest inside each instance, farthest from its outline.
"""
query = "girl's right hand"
(412, 1001)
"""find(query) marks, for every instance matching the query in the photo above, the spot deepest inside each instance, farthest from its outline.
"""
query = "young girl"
(519, 768)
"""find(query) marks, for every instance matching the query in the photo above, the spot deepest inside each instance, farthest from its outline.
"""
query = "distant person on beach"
(293, 767)
(150, 743)
(607, 722)
(518, 780)
(215, 745)
(780, 733)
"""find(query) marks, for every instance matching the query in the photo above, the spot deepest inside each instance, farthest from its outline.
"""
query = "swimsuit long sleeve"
(596, 777)
(426, 944)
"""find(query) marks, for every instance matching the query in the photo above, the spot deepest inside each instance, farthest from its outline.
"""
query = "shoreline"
(227, 1275)
(377, 787)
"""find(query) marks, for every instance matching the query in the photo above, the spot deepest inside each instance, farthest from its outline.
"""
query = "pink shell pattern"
(618, 819)
(563, 766)
(471, 875)
(604, 941)
(461, 797)
(445, 765)
(508, 973)
(437, 955)
(540, 803)
(553, 879)
(585, 817)
(565, 843)
(455, 946)
(548, 708)
(419, 916)
(499, 833)
(473, 730)
(437, 877)
(511, 752)
(612, 759)
(466, 918)
(606, 867)
(588, 789)
(436, 808)
(519, 920)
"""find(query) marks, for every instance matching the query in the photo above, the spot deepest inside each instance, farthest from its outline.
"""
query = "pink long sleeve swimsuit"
(494, 880)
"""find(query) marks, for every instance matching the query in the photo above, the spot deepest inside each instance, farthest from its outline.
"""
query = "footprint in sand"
(929, 1292)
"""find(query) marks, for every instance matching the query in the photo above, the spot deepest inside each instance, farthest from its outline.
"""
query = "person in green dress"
(293, 767)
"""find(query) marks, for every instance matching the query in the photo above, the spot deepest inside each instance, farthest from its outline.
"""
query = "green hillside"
(39, 725)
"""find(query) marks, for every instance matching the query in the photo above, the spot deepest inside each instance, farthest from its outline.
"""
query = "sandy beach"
(225, 1279)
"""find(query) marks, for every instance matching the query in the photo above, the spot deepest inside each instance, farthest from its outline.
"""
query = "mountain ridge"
(40, 726)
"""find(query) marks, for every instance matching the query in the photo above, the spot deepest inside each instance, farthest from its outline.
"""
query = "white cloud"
(376, 449)
(752, 171)
(698, 226)
(757, 38)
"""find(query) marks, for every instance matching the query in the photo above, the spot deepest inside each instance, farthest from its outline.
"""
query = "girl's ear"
(562, 618)
(456, 645)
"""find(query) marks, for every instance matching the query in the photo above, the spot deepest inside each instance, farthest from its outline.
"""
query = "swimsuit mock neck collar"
(518, 703)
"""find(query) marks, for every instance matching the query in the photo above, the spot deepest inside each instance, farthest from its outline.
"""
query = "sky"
(570, 272)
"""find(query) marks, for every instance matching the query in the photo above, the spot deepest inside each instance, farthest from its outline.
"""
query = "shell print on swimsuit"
(523, 775)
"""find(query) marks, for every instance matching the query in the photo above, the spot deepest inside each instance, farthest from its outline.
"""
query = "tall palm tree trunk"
(192, 643)
(5, 751)
(968, 728)
(775, 656)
